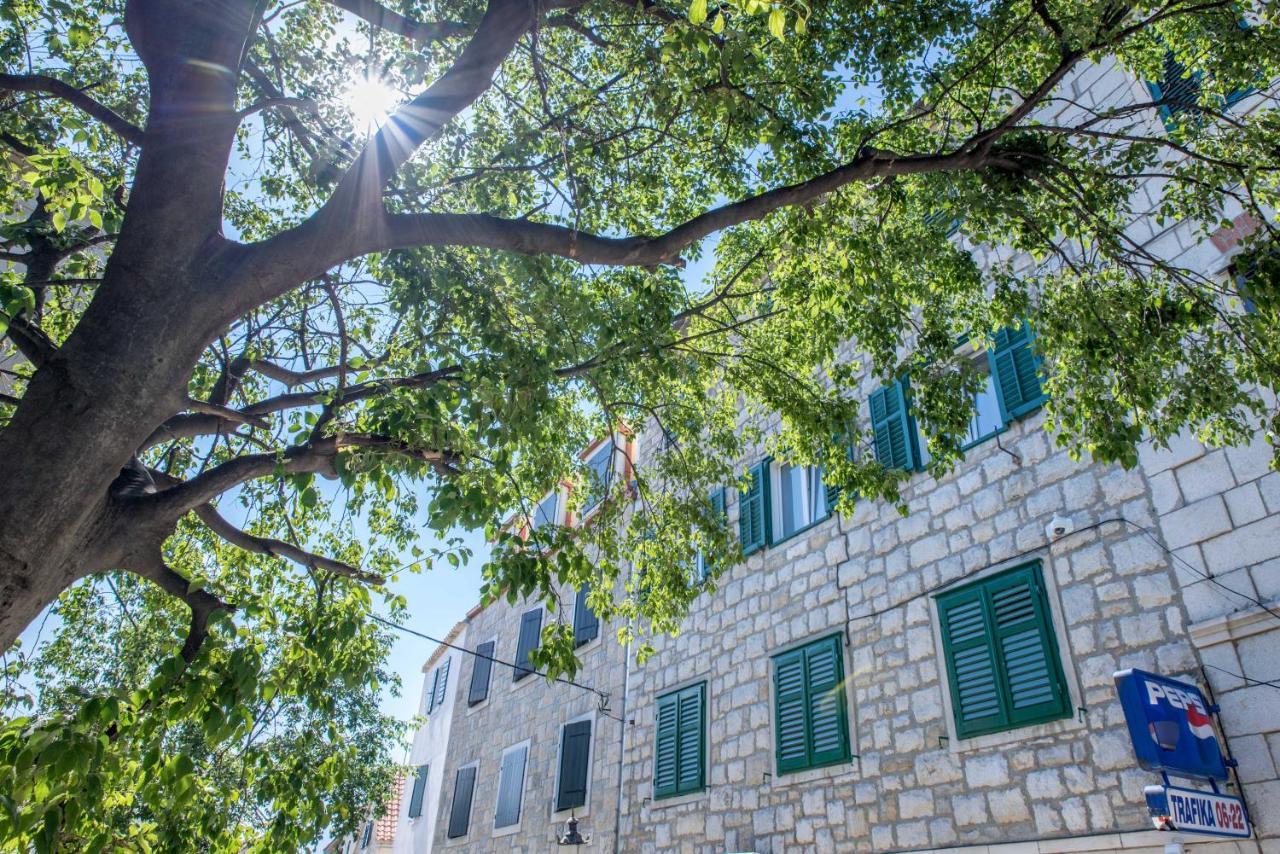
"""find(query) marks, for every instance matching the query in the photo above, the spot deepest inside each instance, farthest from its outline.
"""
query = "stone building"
(940, 681)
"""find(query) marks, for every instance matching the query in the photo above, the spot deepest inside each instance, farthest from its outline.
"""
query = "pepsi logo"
(1197, 716)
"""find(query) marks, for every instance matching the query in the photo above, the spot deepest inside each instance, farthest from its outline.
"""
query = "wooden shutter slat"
(689, 774)
(753, 510)
(1016, 369)
(1028, 653)
(575, 753)
(530, 629)
(665, 747)
(510, 788)
(442, 683)
(478, 691)
(894, 440)
(419, 788)
(460, 810)
(431, 695)
(791, 699)
(828, 724)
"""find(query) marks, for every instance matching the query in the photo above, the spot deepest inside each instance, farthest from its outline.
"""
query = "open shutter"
(575, 751)
(460, 811)
(530, 629)
(718, 509)
(510, 788)
(753, 510)
(1178, 90)
(1027, 651)
(1015, 367)
(586, 625)
(891, 422)
(689, 726)
(431, 695)
(966, 639)
(442, 683)
(419, 788)
(666, 746)
(790, 701)
(828, 720)
(478, 691)
(367, 836)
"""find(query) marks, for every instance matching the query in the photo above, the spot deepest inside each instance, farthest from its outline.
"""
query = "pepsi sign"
(1170, 726)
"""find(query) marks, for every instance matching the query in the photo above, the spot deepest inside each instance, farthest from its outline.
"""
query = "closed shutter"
(510, 787)
(791, 735)
(1015, 366)
(460, 810)
(478, 691)
(665, 747)
(895, 440)
(753, 510)
(689, 727)
(1001, 656)
(530, 629)
(442, 683)
(575, 752)
(828, 722)
(431, 695)
(368, 835)
(419, 788)
(586, 625)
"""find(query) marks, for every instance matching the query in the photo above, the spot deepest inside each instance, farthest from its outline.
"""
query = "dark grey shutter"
(575, 750)
(460, 811)
(530, 629)
(479, 690)
(442, 683)
(510, 788)
(431, 694)
(419, 788)
(586, 625)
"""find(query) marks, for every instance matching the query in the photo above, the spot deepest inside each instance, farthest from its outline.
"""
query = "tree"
(227, 288)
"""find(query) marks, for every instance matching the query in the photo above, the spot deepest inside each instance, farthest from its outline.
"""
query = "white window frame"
(585, 809)
(1065, 659)
(775, 502)
(527, 745)
(618, 443)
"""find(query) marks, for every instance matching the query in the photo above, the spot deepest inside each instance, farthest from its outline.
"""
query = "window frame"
(507, 830)
(585, 809)
(774, 535)
(846, 702)
(720, 495)
(703, 741)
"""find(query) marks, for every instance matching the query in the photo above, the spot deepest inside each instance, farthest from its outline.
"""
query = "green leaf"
(778, 24)
(698, 11)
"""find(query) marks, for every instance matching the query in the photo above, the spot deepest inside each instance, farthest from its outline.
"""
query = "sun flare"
(370, 100)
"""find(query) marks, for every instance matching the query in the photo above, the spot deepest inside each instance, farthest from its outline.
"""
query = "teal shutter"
(442, 683)
(530, 630)
(419, 788)
(1178, 90)
(1001, 655)
(1015, 367)
(586, 625)
(431, 695)
(460, 810)
(753, 510)
(510, 787)
(575, 754)
(478, 692)
(811, 712)
(665, 747)
(895, 439)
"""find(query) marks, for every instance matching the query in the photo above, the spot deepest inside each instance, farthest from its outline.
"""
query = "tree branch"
(393, 22)
(77, 97)
(201, 602)
(279, 548)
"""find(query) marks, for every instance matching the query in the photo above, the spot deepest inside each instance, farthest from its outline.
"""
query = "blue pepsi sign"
(1170, 726)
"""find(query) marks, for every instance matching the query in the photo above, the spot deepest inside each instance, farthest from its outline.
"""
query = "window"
(575, 764)
(547, 512)
(799, 499)
(599, 475)
(460, 810)
(530, 631)
(679, 754)
(811, 721)
(987, 420)
(439, 684)
(1001, 655)
(718, 508)
(1179, 90)
(478, 691)
(586, 625)
(419, 789)
(511, 786)
(753, 506)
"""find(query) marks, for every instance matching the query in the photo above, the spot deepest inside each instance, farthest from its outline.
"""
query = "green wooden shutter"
(442, 683)
(790, 712)
(575, 753)
(530, 630)
(419, 788)
(753, 510)
(895, 439)
(478, 691)
(1015, 366)
(1001, 655)
(1026, 649)
(690, 725)
(828, 718)
(431, 695)
(460, 811)
(1178, 89)
(666, 746)
(510, 787)
(586, 625)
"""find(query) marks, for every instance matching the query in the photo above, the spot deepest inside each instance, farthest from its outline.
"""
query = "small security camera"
(1059, 526)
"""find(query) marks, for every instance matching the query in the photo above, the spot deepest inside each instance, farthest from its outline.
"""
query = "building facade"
(940, 681)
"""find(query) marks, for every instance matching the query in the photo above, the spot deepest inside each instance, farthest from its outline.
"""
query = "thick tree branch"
(31, 341)
(201, 602)
(393, 22)
(279, 548)
(77, 97)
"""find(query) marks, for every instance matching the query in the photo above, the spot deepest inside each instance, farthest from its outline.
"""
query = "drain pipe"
(622, 747)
